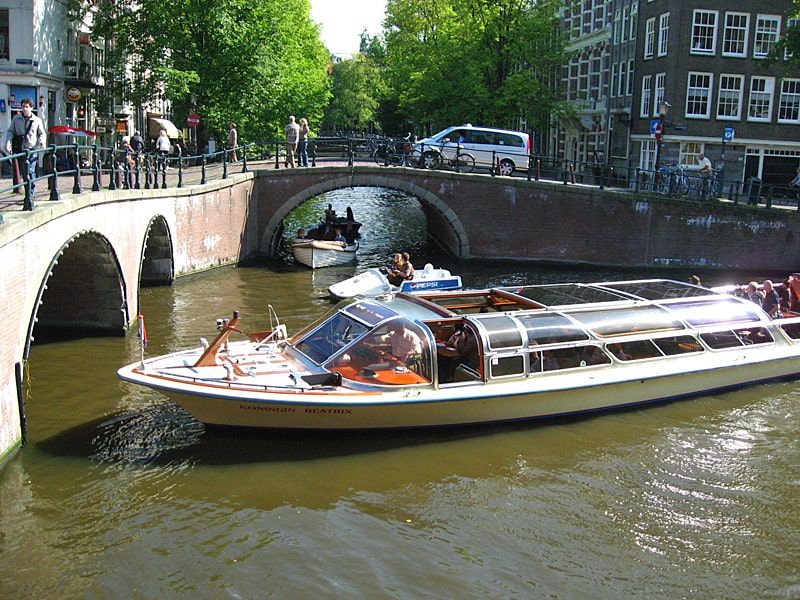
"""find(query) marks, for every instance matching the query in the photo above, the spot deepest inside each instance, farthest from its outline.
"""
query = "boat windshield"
(398, 352)
(330, 337)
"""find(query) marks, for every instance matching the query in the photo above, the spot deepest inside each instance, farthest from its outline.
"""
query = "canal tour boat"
(373, 282)
(524, 352)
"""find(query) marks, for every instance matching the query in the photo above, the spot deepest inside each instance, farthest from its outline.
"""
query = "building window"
(617, 25)
(649, 37)
(634, 20)
(698, 95)
(760, 105)
(768, 28)
(658, 98)
(647, 155)
(790, 24)
(734, 37)
(689, 152)
(789, 104)
(729, 99)
(663, 34)
(613, 80)
(644, 108)
(623, 79)
(625, 23)
(629, 90)
(704, 32)
(4, 52)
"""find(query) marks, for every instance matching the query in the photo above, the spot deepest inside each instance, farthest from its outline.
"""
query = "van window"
(484, 137)
(506, 139)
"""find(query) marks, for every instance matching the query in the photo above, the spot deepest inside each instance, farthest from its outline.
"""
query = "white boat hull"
(541, 396)
(318, 253)
(373, 282)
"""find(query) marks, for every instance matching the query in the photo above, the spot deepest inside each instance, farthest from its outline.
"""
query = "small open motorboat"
(527, 352)
(322, 253)
(373, 282)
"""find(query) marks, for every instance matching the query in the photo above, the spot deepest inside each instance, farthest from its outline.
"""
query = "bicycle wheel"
(431, 160)
(380, 154)
(465, 162)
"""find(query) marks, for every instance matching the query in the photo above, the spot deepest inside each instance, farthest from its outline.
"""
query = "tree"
(356, 86)
(485, 61)
(244, 61)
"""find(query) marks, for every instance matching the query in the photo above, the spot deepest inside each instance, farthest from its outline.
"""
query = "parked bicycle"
(394, 153)
(437, 157)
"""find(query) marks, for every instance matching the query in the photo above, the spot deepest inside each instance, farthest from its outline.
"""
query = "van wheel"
(431, 160)
(506, 167)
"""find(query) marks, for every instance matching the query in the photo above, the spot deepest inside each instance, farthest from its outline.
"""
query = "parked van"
(510, 148)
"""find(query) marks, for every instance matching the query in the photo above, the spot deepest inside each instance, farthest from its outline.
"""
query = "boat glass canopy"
(567, 294)
(713, 312)
(502, 331)
(551, 328)
(658, 290)
(628, 320)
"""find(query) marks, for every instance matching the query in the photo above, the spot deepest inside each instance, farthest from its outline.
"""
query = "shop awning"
(156, 124)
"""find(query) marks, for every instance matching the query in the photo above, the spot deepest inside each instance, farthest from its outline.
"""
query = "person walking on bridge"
(26, 132)
(292, 131)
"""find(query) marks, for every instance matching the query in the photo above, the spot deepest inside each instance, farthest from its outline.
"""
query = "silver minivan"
(510, 150)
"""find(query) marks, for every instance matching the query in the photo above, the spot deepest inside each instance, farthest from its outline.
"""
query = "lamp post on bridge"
(658, 130)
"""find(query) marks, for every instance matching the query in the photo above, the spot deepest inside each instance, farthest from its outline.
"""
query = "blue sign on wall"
(654, 124)
(728, 133)
(2, 105)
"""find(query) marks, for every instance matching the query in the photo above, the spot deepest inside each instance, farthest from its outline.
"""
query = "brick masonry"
(474, 216)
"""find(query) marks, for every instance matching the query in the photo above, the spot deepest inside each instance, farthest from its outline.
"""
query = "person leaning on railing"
(26, 132)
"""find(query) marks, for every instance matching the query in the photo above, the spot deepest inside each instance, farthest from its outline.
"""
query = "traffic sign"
(728, 134)
(193, 119)
(655, 126)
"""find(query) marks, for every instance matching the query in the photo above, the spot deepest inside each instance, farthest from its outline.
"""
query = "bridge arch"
(446, 217)
(157, 264)
(83, 290)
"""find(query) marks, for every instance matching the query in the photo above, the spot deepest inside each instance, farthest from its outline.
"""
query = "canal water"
(120, 494)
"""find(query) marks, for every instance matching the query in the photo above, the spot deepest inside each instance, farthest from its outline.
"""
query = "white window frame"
(625, 23)
(727, 27)
(614, 75)
(634, 20)
(658, 91)
(663, 34)
(649, 38)
(629, 90)
(647, 155)
(617, 25)
(796, 94)
(720, 95)
(709, 90)
(690, 149)
(644, 104)
(760, 32)
(701, 35)
(623, 79)
(769, 89)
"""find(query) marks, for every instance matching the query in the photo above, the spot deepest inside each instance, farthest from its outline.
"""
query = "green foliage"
(356, 86)
(253, 62)
(787, 51)
(485, 61)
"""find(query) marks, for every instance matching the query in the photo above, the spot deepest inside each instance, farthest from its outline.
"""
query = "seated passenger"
(401, 269)
(339, 237)
(301, 234)
(406, 346)
(771, 302)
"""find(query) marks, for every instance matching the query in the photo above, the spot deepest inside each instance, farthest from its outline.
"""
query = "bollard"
(495, 165)
(277, 152)
(225, 165)
(769, 197)
(564, 168)
(530, 168)
(76, 186)
(27, 202)
(96, 187)
(538, 168)
(53, 181)
(138, 171)
(147, 173)
(636, 181)
(163, 173)
(180, 171)
(203, 169)
(126, 170)
(244, 159)
(350, 153)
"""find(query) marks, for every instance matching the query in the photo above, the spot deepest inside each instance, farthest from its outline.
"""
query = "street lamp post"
(662, 115)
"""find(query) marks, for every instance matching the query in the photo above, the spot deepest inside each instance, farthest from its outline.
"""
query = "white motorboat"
(524, 352)
(321, 253)
(374, 282)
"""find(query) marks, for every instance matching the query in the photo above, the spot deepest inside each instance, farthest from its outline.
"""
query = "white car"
(509, 150)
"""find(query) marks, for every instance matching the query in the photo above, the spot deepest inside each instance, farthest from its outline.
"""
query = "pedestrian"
(163, 146)
(292, 131)
(706, 170)
(302, 143)
(233, 141)
(137, 142)
(26, 132)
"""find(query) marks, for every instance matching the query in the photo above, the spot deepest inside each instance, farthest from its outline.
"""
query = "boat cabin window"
(330, 337)
(394, 353)
(550, 328)
(719, 340)
(567, 358)
(679, 344)
(507, 366)
(501, 331)
(727, 310)
(792, 330)
(621, 321)
(634, 350)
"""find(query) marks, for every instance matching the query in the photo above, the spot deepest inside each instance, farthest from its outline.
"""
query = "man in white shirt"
(706, 170)
(292, 131)
(26, 132)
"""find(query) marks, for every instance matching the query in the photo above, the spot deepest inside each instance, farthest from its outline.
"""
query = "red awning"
(74, 131)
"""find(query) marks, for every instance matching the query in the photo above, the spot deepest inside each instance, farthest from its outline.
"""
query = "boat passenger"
(772, 302)
(695, 280)
(301, 234)
(751, 293)
(401, 269)
(339, 237)
(406, 345)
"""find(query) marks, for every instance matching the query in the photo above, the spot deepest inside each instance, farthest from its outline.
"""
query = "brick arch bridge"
(77, 264)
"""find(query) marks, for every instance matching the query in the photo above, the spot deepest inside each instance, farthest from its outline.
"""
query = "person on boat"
(330, 214)
(301, 234)
(695, 280)
(339, 237)
(401, 269)
(751, 293)
(772, 302)
(406, 345)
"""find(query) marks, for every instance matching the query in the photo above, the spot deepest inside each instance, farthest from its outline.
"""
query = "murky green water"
(120, 494)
